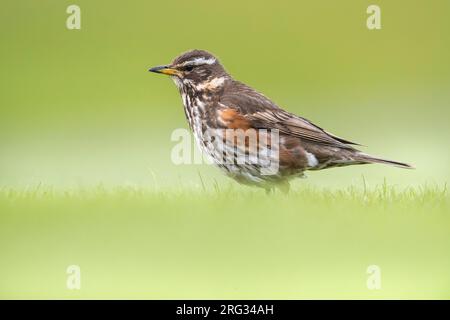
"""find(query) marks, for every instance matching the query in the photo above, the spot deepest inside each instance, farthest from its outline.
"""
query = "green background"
(78, 109)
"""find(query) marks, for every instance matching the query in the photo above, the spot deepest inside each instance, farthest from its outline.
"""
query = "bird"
(216, 104)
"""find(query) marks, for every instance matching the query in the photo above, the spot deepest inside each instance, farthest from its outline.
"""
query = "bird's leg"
(284, 187)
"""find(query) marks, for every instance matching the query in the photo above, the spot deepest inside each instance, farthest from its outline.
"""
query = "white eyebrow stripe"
(198, 61)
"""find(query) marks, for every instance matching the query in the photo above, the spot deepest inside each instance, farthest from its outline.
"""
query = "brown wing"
(262, 113)
(292, 156)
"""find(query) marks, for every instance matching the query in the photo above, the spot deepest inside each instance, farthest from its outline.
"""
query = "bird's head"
(196, 68)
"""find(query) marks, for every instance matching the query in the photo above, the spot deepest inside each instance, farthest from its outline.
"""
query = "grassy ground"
(225, 243)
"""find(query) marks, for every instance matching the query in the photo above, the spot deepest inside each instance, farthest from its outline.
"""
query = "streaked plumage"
(212, 99)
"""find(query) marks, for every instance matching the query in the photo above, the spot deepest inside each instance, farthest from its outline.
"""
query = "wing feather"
(264, 114)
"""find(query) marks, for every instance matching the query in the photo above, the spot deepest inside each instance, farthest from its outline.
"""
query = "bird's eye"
(188, 68)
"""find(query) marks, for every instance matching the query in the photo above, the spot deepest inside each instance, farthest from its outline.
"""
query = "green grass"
(225, 242)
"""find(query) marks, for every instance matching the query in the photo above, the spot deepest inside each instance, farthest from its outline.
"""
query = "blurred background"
(78, 107)
(79, 110)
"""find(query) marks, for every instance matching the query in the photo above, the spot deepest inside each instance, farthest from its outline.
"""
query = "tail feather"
(370, 159)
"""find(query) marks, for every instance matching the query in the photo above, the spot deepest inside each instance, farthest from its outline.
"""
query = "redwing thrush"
(213, 100)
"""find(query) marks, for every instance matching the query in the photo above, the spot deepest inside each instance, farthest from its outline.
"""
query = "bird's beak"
(165, 70)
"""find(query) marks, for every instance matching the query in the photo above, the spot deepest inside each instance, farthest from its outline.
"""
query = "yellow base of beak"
(165, 70)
